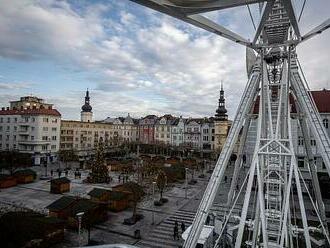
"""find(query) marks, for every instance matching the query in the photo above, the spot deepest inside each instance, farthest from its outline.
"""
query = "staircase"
(162, 235)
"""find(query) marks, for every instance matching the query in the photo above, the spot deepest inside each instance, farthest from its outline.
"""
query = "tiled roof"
(60, 180)
(322, 100)
(25, 172)
(62, 203)
(97, 192)
(83, 205)
(117, 195)
(53, 112)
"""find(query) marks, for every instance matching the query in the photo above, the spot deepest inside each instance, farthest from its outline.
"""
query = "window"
(8, 128)
(1, 120)
(33, 119)
(53, 137)
(301, 162)
(53, 147)
(15, 119)
(15, 128)
(313, 142)
(45, 129)
(54, 129)
(44, 138)
(174, 137)
(45, 120)
(326, 123)
(32, 137)
(196, 129)
(300, 141)
(8, 120)
(32, 128)
(205, 131)
(14, 137)
(44, 147)
(0, 128)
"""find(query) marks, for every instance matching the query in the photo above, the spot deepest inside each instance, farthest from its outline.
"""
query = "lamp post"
(186, 183)
(153, 202)
(79, 216)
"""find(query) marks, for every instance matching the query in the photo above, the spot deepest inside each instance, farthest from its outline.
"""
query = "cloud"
(138, 60)
(14, 86)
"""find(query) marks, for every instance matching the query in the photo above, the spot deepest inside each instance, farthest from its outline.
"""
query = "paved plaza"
(157, 223)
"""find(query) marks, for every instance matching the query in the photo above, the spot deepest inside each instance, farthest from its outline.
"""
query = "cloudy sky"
(134, 60)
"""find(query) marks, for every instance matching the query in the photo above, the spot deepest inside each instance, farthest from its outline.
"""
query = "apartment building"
(30, 125)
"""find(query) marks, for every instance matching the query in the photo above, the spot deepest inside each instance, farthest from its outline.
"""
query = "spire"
(221, 110)
(87, 107)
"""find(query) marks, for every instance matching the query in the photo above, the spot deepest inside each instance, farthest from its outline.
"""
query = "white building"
(192, 134)
(177, 131)
(207, 134)
(31, 126)
(163, 130)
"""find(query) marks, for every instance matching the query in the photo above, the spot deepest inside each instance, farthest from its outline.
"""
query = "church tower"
(221, 123)
(86, 110)
(221, 112)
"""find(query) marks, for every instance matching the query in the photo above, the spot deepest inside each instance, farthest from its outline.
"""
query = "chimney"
(7, 108)
(3, 108)
(34, 107)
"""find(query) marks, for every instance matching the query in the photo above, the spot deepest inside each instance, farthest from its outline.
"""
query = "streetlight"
(186, 183)
(153, 202)
(79, 215)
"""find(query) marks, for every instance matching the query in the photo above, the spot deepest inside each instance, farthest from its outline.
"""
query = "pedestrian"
(183, 227)
(176, 231)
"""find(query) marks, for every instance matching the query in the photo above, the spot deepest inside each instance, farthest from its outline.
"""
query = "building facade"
(177, 132)
(163, 129)
(147, 129)
(31, 126)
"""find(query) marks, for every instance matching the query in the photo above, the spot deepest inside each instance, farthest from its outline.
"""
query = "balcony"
(23, 132)
(34, 142)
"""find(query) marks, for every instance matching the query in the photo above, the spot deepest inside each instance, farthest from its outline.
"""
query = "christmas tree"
(99, 172)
